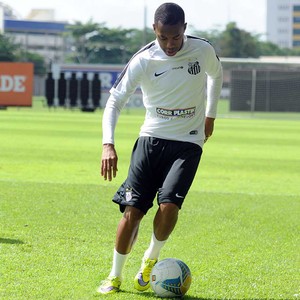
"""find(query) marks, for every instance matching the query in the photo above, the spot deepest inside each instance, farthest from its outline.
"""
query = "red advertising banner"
(16, 84)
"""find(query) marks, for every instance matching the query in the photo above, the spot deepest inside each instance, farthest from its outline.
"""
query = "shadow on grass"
(186, 297)
(152, 295)
(11, 241)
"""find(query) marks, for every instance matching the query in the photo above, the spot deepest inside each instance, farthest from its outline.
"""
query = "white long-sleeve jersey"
(174, 91)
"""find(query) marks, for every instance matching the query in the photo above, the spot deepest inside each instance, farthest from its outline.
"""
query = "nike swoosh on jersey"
(158, 74)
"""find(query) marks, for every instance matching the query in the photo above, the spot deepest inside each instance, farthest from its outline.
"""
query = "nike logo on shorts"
(179, 196)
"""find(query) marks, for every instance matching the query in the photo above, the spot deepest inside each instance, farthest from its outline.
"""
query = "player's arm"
(214, 86)
(119, 96)
(120, 93)
(109, 160)
(209, 127)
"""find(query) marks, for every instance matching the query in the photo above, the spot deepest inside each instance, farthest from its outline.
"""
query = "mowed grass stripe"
(238, 230)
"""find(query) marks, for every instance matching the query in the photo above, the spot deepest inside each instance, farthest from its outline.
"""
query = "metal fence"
(269, 84)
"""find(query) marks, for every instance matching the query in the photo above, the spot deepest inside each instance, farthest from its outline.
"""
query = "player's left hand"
(209, 127)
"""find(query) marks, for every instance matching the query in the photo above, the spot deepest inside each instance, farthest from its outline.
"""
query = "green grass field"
(239, 229)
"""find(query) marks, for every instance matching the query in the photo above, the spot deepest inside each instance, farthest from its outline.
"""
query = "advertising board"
(16, 84)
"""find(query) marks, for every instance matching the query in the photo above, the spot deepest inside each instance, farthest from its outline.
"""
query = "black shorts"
(158, 167)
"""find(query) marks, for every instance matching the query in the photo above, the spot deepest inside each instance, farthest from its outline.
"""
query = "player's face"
(170, 37)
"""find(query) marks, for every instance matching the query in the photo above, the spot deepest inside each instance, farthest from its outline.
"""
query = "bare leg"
(163, 224)
(128, 229)
(165, 220)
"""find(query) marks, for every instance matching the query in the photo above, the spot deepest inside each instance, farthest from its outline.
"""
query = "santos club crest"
(194, 68)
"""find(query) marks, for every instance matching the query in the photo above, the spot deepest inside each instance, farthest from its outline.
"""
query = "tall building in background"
(283, 23)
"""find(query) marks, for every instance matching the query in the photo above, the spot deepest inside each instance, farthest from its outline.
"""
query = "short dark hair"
(169, 14)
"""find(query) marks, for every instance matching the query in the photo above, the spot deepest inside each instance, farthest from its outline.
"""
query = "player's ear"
(185, 24)
(153, 26)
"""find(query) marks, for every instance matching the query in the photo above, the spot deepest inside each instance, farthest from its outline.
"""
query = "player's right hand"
(109, 162)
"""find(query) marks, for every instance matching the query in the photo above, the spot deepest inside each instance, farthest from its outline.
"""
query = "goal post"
(263, 85)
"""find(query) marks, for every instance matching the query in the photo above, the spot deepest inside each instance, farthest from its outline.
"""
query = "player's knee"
(169, 209)
(133, 215)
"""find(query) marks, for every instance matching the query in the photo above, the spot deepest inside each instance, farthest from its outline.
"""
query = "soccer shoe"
(110, 285)
(142, 278)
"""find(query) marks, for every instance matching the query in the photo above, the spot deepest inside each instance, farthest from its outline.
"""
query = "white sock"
(155, 246)
(118, 264)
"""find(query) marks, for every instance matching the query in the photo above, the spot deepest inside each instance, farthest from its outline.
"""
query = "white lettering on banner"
(12, 83)
(106, 80)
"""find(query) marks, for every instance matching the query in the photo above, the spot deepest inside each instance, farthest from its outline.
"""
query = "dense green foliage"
(238, 230)
(12, 52)
(238, 43)
(96, 43)
(7, 49)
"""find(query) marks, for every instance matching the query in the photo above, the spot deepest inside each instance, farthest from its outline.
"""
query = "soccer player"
(180, 77)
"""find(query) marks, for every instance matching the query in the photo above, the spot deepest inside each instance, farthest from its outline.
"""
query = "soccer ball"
(170, 278)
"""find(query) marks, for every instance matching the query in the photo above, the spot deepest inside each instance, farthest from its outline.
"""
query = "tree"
(37, 60)
(81, 35)
(12, 52)
(7, 49)
(232, 42)
(235, 42)
(213, 36)
(96, 43)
